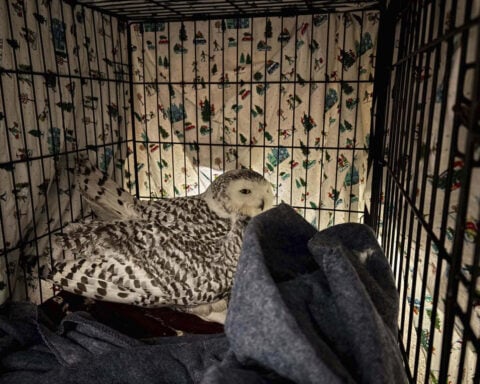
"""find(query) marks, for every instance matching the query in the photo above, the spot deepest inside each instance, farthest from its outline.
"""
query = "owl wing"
(110, 202)
(138, 262)
(107, 199)
(101, 278)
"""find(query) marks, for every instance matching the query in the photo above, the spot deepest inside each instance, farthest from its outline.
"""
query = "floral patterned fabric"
(288, 97)
(63, 83)
(422, 272)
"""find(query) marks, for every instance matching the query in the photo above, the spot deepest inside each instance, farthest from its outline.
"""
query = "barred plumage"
(178, 252)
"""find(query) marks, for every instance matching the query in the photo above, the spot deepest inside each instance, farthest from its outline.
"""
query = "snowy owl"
(180, 252)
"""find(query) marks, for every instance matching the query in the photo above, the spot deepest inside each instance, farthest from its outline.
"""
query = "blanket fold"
(306, 307)
(311, 305)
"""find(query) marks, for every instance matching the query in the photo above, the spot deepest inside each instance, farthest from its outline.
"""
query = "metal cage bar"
(147, 10)
(413, 188)
(47, 73)
(436, 51)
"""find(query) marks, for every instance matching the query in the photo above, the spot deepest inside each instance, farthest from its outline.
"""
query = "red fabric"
(130, 320)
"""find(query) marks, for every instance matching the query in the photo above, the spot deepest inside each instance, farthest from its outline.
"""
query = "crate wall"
(428, 156)
(64, 83)
(289, 97)
(165, 105)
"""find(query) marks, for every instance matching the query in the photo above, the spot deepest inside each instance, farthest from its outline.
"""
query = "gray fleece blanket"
(306, 307)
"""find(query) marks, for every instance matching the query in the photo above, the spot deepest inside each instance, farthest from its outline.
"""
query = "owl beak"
(262, 205)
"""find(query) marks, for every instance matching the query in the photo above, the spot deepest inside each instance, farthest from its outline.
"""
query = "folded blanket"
(85, 351)
(314, 307)
(306, 307)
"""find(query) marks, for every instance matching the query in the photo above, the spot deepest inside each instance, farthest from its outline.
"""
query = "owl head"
(239, 192)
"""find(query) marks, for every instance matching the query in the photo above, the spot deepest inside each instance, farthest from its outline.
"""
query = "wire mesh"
(62, 91)
(257, 96)
(73, 91)
(148, 10)
(430, 204)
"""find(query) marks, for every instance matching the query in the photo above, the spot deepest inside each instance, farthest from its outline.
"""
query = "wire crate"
(354, 111)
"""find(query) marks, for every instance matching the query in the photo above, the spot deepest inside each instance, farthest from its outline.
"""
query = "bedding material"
(136, 322)
(306, 307)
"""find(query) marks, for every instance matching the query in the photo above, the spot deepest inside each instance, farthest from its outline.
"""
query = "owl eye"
(245, 191)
